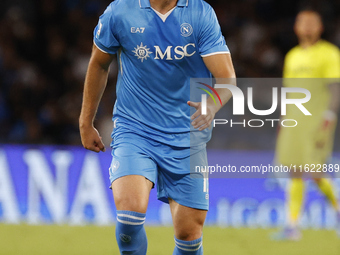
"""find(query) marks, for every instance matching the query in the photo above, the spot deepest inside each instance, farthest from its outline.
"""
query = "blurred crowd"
(45, 47)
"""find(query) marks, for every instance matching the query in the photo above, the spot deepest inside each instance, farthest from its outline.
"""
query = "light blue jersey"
(158, 54)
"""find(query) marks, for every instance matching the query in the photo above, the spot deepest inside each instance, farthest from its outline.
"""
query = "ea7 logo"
(136, 30)
(178, 52)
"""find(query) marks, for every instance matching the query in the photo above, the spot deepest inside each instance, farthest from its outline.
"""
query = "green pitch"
(56, 240)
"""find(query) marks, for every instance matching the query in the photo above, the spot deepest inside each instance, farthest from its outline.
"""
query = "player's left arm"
(330, 115)
(332, 73)
(221, 67)
(334, 104)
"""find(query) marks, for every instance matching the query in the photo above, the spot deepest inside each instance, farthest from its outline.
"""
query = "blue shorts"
(172, 167)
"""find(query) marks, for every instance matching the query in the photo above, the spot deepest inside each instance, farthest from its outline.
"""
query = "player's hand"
(91, 139)
(202, 121)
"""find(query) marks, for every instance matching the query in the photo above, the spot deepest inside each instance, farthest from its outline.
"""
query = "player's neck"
(308, 43)
(163, 6)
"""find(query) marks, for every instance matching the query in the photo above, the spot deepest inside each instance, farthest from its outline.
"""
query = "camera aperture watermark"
(279, 101)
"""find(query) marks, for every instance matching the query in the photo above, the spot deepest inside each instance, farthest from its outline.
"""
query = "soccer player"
(161, 44)
(311, 141)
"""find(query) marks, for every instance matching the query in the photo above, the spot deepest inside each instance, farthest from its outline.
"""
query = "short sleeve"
(286, 63)
(105, 37)
(210, 38)
(332, 64)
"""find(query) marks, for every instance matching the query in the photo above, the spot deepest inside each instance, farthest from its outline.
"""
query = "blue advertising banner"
(69, 185)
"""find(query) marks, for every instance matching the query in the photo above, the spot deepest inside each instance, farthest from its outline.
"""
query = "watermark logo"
(239, 100)
(239, 103)
(204, 97)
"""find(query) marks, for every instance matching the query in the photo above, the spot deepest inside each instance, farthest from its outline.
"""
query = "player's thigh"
(188, 222)
(131, 193)
(178, 180)
(132, 172)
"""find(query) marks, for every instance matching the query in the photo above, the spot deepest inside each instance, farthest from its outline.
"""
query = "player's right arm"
(106, 44)
(95, 83)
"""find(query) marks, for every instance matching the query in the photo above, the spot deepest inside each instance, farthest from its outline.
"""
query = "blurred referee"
(315, 65)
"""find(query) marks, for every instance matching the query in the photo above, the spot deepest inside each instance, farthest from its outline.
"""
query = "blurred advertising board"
(69, 185)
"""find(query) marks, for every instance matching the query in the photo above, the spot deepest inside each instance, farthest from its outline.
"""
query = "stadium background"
(47, 178)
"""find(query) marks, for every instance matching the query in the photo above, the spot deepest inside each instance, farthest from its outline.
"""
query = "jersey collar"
(146, 3)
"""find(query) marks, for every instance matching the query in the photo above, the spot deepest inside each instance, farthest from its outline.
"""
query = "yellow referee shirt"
(322, 60)
(312, 68)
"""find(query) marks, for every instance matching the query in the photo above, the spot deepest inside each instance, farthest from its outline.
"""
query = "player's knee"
(130, 203)
(190, 233)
